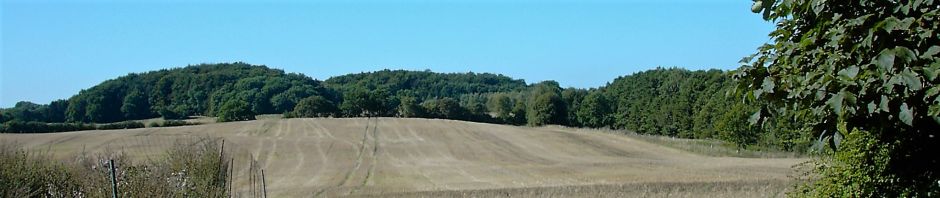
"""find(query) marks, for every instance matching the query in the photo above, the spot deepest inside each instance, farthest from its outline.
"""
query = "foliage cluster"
(171, 123)
(863, 76)
(426, 84)
(181, 92)
(121, 125)
(17, 126)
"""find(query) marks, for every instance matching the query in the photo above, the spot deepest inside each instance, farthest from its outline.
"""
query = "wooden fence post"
(113, 179)
(231, 179)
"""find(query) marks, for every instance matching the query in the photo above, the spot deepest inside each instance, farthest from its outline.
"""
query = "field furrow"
(395, 157)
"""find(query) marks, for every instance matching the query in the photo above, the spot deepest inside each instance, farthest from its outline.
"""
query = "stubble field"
(396, 157)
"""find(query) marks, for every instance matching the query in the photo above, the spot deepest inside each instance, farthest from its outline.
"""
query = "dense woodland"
(673, 102)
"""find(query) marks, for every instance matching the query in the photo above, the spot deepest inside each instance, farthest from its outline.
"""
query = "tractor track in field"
(406, 157)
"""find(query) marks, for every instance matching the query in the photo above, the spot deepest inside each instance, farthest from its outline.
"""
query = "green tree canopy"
(235, 110)
(410, 107)
(426, 85)
(314, 106)
(500, 104)
(594, 110)
(545, 105)
(866, 71)
(361, 102)
(446, 108)
(189, 91)
(136, 105)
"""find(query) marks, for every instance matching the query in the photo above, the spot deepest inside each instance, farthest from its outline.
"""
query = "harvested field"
(398, 157)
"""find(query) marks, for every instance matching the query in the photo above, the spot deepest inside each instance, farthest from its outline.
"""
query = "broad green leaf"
(754, 118)
(932, 92)
(885, 59)
(868, 39)
(768, 85)
(836, 103)
(930, 52)
(747, 59)
(905, 24)
(837, 139)
(906, 9)
(906, 115)
(884, 104)
(872, 108)
(757, 6)
(858, 20)
(820, 95)
(849, 97)
(818, 6)
(849, 102)
(933, 110)
(890, 23)
(893, 81)
(905, 54)
(932, 71)
(911, 80)
(926, 34)
(849, 72)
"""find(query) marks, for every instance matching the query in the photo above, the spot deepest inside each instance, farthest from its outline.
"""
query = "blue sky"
(53, 49)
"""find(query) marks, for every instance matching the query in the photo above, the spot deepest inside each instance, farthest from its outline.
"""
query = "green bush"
(235, 110)
(171, 123)
(314, 106)
(40, 127)
(865, 167)
(121, 125)
(863, 70)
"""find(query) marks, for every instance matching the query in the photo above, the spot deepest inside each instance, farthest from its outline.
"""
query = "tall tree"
(314, 106)
(572, 98)
(360, 102)
(135, 105)
(446, 108)
(501, 105)
(867, 71)
(518, 115)
(409, 107)
(546, 105)
(733, 127)
(235, 110)
(594, 110)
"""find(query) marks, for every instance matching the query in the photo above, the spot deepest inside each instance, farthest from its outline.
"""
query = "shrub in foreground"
(189, 169)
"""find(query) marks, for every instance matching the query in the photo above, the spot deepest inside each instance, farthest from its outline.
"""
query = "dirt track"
(421, 157)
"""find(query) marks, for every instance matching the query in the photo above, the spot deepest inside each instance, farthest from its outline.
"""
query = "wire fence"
(132, 166)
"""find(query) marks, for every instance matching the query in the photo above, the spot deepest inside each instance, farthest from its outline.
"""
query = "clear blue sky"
(51, 50)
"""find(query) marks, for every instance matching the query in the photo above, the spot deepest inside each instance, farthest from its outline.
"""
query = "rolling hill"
(407, 157)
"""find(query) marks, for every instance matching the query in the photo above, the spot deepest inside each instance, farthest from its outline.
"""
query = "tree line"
(663, 101)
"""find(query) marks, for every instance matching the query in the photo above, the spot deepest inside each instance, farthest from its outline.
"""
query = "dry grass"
(189, 169)
(708, 147)
(358, 156)
(762, 188)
